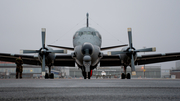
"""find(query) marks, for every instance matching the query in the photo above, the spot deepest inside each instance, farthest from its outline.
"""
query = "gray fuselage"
(90, 36)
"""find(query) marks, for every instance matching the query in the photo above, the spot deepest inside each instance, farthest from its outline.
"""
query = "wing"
(114, 60)
(60, 60)
(156, 58)
(27, 59)
(110, 60)
(64, 60)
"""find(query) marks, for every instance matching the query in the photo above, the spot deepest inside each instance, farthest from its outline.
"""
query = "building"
(115, 72)
(176, 71)
(8, 70)
(178, 65)
(165, 73)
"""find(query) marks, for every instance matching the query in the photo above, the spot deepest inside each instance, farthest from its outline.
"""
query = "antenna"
(87, 15)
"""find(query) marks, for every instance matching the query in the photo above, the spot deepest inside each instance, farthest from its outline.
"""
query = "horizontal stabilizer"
(62, 47)
(111, 47)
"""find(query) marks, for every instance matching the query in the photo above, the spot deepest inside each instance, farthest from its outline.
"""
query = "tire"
(46, 76)
(89, 75)
(84, 74)
(128, 76)
(51, 76)
(122, 76)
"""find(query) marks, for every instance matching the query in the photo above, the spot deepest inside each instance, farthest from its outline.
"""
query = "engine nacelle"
(50, 57)
(126, 58)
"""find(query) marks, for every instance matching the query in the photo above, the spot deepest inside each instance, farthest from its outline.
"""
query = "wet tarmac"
(88, 90)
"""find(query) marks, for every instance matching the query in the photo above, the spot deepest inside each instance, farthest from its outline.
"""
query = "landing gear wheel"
(89, 75)
(128, 76)
(51, 76)
(46, 76)
(122, 76)
(84, 74)
(103, 76)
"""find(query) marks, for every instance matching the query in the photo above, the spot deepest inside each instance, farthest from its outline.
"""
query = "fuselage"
(87, 34)
(89, 38)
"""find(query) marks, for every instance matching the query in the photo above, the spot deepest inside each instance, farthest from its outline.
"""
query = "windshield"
(87, 33)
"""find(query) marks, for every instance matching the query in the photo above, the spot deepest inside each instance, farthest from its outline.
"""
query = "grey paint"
(21, 22)
(80, 39)
(93, 38)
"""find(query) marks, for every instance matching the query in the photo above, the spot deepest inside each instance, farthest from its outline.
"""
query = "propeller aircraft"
(87, 54)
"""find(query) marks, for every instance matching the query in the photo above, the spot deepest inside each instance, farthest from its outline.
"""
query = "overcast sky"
(155, 23)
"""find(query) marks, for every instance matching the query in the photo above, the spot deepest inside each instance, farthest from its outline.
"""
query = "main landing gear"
(86, 75)
(128, 76)
(50, 75)
(124, 75)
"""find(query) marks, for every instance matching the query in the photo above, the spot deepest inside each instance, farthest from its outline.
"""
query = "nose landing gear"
(87, 74)
(128, 76)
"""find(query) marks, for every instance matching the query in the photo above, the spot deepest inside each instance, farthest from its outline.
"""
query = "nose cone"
(87, 58)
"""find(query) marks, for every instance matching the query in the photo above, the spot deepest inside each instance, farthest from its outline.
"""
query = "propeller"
(43, 51)
(132, 51)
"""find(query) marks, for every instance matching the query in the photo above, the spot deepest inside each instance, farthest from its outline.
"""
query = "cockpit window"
(94, 33)
(80, 33)
(76, 34)
(87, 33)
(98, 35)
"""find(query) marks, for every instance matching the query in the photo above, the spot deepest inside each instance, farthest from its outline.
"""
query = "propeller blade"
(132, 65)
(29, 51)
(57, 51)
(43, 37)
(43, 65)
(116, 52)
(130, 37)
(111, 47)
(146, 50)
(62, 47)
